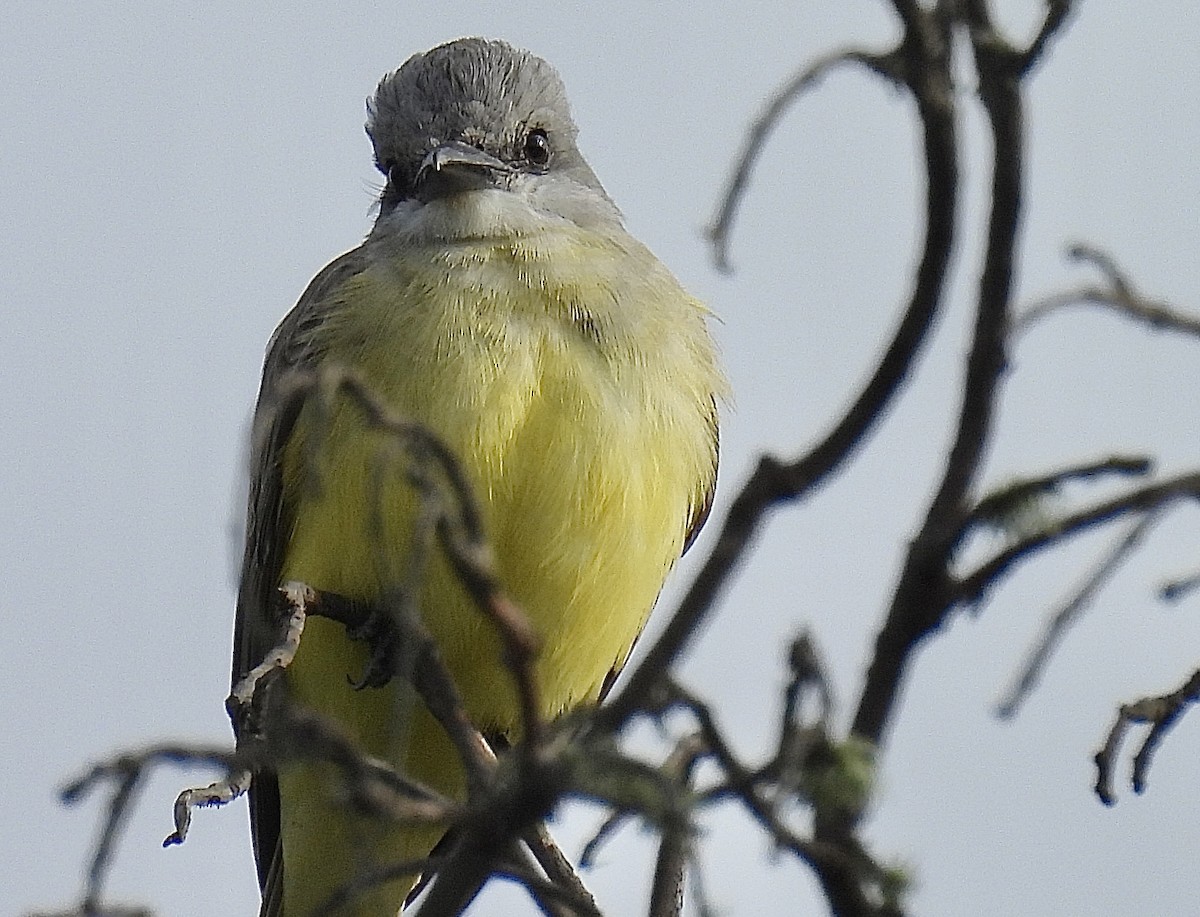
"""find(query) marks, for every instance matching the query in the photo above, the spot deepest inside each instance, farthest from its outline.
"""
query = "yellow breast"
(575, 380)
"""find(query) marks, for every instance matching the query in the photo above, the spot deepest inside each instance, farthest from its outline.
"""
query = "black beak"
(454, 167)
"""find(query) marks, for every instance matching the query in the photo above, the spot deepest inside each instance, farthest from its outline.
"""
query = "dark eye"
(537, 147)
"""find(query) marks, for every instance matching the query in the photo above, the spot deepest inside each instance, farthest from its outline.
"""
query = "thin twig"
(127, 772)
(1119, 295)
(675, 844)
(550, 896)
(1117, 279)
(1157, 314)
(297, 597)
(1179, 587)
(741, 781)
(845, 870)
(218, 793)
(970, 588)
(613, 822)
(1055, 19)
(1067, 615)
(1162, 713)
(799, 728)
(721, 228)
(558, 869)
(997, 504)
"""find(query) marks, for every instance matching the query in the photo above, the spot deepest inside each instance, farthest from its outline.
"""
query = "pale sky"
(173, 175)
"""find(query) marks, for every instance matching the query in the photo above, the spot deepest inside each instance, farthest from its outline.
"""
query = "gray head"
(475, 115)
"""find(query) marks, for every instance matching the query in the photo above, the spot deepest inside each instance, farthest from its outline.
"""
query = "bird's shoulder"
(295, 345)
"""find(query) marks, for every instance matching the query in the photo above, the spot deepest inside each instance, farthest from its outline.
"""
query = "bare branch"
(527, 787)
(919, 604)
(462, 876)
(1057, 12)
(970, 588)
(297, 597)
(675, 844)
(1000, 503)
(507, 799)
(721, 228)
(740, 781)
(126, 773)
(846, 872)
(666, 888)
(1161, 713)
(559, 869)
(1119, 295)
(550, 896)
(218, 793)
(1070, 612)
(1177, 588)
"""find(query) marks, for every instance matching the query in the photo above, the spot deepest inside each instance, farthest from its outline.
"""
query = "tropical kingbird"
(499, 301)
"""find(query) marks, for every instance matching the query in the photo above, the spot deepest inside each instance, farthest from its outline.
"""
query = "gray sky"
(173, 175)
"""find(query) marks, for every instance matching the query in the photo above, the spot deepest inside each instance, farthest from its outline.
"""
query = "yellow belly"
(586, 452)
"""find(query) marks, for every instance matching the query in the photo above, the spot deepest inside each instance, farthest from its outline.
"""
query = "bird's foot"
(382, 635)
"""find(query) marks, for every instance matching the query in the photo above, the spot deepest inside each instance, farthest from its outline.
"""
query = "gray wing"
(295, 347)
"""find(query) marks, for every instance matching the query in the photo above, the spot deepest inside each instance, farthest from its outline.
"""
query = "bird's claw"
(380, 633)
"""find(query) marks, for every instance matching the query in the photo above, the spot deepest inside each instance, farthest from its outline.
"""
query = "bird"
(499, 301)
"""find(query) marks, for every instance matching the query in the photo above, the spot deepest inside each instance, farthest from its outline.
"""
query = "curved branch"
(1161, 713)
(773, 481)
(720, 229)
(1057, 12)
